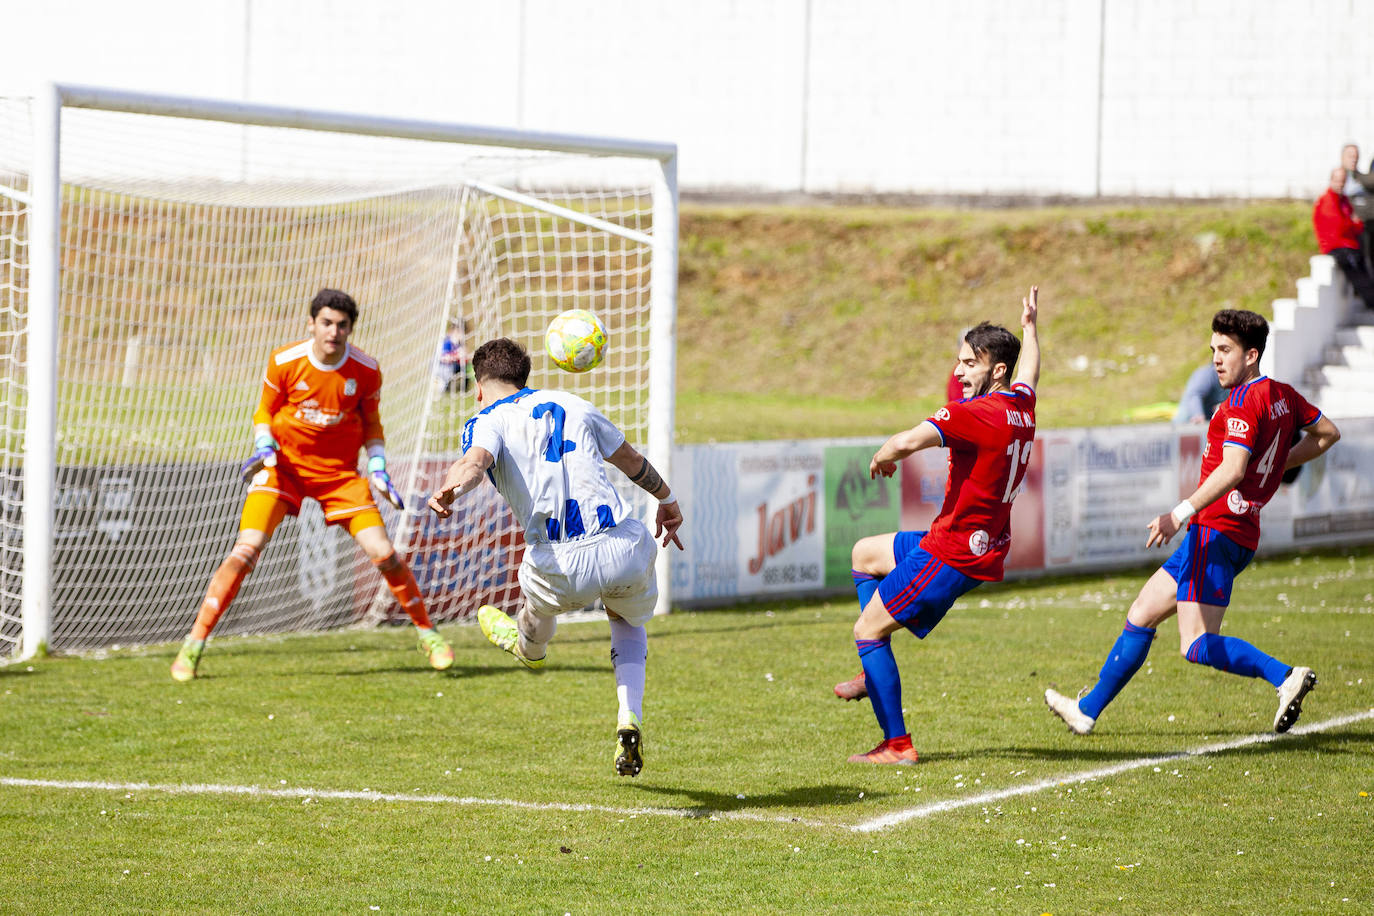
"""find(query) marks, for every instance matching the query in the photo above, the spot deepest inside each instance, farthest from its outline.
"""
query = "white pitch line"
(898, 817)
(404, 798)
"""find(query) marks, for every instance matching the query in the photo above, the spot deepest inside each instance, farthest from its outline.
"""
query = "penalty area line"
(308, 794)
(908, 814)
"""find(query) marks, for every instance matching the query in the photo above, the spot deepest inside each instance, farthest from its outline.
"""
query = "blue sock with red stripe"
(866, 586)
(1125, 659)
(884, 684)
(1236, 656)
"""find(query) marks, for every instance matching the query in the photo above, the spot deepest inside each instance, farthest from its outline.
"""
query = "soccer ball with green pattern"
(576, 340)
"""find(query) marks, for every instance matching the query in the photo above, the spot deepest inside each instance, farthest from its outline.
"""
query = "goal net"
(190, 237)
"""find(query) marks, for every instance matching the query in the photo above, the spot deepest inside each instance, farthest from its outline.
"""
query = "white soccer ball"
(576, 340)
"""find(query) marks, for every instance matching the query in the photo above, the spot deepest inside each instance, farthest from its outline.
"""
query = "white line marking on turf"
(404, 798)
(898, 817)
(877, 823)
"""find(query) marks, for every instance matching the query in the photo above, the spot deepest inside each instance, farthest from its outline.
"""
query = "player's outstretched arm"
(1028, 366)
(1319, 437)
(1223, 479)
(902, 444)
(463, 476)
(635, 466)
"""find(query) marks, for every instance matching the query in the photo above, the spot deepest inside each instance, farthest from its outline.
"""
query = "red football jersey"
(989, 440)
(1261, 417)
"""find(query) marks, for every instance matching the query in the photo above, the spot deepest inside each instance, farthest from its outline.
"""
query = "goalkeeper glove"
(264, 456)
(376, 473)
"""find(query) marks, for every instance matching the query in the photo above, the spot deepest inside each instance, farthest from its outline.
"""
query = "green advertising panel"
(855, 507)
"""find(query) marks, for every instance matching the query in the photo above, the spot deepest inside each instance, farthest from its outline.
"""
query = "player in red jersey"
(911, 578)
(1250, 443)
(320, 406)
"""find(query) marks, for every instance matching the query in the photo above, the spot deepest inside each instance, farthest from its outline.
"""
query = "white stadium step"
(1342, 402)
(1360, 335)
(1355, 357)
(1347, 377)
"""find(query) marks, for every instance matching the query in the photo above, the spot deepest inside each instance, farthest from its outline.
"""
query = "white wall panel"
(867, 96)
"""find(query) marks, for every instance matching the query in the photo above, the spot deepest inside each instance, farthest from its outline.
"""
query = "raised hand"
(1030, 307)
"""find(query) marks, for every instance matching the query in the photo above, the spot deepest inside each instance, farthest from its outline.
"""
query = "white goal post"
(154, 249)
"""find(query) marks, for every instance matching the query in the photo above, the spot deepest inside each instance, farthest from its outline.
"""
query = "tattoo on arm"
(647, 477)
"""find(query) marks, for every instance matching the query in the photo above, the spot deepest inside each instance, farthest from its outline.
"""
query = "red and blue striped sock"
(884, 684)
(1236, 656)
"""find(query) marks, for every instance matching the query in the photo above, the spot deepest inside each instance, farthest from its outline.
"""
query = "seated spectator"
(1359, 187)
(451, 373)
(1201, 396)
(1338, 234)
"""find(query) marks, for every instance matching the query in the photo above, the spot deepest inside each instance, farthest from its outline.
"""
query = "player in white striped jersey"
(546, 453)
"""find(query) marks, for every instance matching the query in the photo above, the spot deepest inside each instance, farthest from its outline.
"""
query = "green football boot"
(187, 660)
(629, 746)
(501, 632)
(436, 649)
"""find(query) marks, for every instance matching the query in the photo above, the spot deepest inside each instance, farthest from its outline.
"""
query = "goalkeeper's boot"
(436, 649)
(1294, 687)
(856, 688)
(1078, 721)
(188, 659)
(892, 751)
(501, 632)
(629, 746)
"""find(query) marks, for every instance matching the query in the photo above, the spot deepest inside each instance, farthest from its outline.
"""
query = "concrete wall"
(1044, 97)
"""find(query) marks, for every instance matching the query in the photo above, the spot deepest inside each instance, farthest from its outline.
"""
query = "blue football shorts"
(921, 588)
(1205, 565)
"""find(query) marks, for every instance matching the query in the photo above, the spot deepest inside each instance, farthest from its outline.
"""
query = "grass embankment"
(837, 321)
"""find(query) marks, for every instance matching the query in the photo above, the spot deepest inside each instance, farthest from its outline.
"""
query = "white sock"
(535, 633)
(629, 649)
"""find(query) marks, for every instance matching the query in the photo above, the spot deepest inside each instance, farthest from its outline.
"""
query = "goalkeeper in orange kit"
(320, 405)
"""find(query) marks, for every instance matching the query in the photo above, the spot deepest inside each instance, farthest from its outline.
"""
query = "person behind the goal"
(546, 452)
(320, 405)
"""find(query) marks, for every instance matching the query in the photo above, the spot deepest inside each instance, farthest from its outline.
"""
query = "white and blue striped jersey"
(550, 449)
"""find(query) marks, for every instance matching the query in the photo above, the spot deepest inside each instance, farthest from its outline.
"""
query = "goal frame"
(45, 259)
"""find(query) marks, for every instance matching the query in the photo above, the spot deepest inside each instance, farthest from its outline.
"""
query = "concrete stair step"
(1355, 357)
(1342, 402)
(1360, 335)
(1357, 380)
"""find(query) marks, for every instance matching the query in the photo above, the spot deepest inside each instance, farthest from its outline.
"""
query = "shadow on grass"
(1333, 742)
(705, 802)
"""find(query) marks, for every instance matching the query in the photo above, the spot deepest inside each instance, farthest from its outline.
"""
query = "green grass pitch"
(336, 773)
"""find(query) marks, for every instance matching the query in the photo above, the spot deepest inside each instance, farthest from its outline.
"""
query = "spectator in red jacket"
(1338, 234)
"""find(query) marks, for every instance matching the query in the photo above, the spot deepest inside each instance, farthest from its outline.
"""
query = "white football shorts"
(616, 566)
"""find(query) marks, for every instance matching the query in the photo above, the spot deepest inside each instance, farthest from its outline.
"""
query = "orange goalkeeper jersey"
(321, 414)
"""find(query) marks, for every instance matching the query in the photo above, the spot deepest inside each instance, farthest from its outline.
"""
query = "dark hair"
(337, 300)
(1000, 344)
(1250, 330)
(502, 359)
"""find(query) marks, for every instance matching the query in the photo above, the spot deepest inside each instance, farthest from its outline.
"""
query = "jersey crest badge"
(350, 387)
(1238, 504)
(978, 543)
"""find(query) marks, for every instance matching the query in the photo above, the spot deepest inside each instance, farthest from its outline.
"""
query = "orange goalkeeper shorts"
(345, 497)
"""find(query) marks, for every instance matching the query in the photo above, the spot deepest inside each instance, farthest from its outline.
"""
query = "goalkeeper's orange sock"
(402, 584)
(224, 585)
